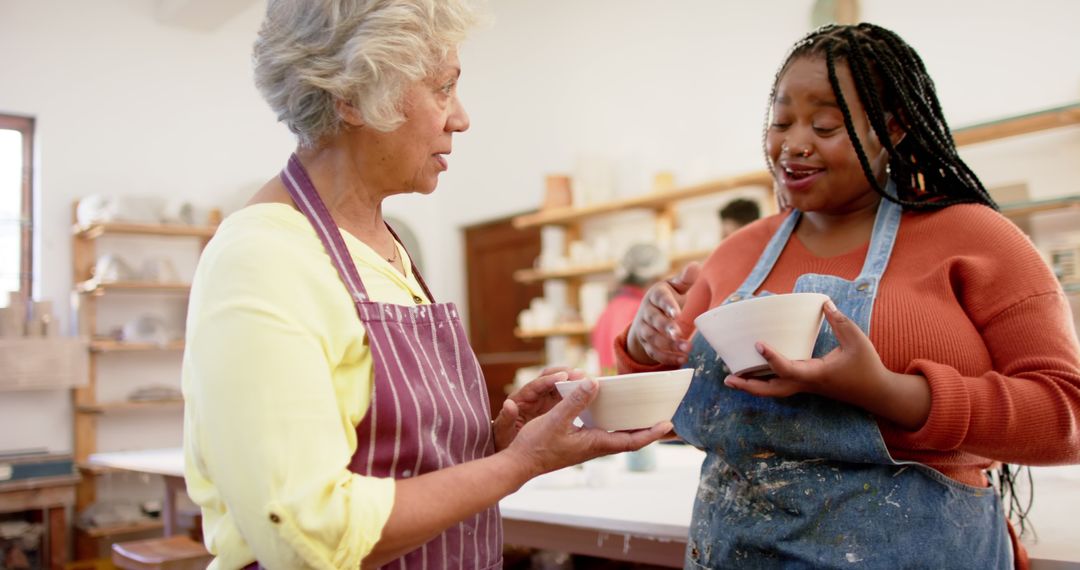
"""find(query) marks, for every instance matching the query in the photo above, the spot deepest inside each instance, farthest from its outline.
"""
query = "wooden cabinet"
(493, 250)
(88, 406)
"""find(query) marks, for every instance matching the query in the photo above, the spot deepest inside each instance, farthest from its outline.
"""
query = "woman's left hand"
(852, 373)
(530, 401)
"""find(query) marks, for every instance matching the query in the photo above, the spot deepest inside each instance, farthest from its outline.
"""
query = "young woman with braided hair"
(950, 347)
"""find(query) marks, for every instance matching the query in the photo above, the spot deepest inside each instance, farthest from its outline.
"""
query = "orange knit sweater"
(967, 302)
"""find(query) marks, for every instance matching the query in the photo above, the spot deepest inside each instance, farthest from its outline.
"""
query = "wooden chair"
(190, 523)
(167, 553)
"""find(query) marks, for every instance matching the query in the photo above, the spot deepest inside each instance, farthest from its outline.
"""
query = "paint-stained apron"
(429, 403)
(806, 481)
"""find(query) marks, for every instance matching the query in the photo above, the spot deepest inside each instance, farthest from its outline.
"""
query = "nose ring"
(803, 153)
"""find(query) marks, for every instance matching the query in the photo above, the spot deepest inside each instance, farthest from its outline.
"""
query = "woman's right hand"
(655, 337)
(552, 441)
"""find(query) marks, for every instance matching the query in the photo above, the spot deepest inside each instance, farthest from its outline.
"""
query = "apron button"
(416, 299)
(862, 287)
(274, 518)
(734, 298)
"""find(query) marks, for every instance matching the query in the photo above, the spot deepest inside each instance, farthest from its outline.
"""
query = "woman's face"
(410, 158)
(812, 157)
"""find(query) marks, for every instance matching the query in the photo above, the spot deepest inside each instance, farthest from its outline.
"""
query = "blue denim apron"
(806, 481)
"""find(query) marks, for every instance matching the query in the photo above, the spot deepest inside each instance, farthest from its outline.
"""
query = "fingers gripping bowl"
(788, 323)
(632, 401)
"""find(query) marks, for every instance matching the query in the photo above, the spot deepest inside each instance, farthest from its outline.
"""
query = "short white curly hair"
(310, 53)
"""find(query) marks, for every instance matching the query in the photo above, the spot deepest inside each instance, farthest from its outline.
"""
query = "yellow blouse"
(276, 376)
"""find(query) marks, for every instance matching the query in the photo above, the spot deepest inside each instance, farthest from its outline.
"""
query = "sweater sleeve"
(698, 299)
(1027, 410)
(726, 267)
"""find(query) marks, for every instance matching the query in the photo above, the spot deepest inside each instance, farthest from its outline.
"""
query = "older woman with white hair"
(336, 415)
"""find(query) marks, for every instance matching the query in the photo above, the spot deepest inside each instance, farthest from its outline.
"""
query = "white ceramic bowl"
(788, 323)
(633, 401)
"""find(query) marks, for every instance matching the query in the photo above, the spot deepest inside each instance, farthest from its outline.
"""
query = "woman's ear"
(351, 115)
(896, 129)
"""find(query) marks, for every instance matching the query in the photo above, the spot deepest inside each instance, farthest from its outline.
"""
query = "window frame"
(25, 125)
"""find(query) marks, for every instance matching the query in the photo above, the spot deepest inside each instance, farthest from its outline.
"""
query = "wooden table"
(645, 517)
(53, 496)
(169, 463)
(637, 517)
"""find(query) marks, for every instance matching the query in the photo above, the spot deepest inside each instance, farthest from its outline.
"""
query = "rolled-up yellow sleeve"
(276, 377)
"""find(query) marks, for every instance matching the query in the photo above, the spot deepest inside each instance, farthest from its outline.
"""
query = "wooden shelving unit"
(662, 202)
(94, 231)
(1021, 209)
(1018, 125)
(94, 288)
(534, 275)
(88, 410)
(134, 528)
(110, 345)
(573, 329)
(656, 201)
(973, 134)
(108, 407)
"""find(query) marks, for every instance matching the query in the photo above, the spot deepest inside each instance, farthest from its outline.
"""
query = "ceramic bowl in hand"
(788, 323)
(632, 401)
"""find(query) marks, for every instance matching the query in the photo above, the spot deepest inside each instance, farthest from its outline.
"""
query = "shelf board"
(572, 329)
(94, 288)
(94, 231)
(654, 200)
(107, 407)
(110, 345)
(691, 255)
(1018, 125)
(533, 275)
(131, 528)
(37, 483)
(1018, 209)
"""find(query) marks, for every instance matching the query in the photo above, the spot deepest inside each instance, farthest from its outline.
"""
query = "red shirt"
(616, 317)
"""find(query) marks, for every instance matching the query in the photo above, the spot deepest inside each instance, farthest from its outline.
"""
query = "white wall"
(127, 105)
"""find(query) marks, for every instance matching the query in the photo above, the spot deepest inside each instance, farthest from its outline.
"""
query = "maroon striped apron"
(429, 403)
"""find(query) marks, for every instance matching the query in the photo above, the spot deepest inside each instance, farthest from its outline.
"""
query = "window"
(16, 207)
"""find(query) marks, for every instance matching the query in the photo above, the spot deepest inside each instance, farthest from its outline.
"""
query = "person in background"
(949, 346)
(335, 415)
(736, 214)
(640, 266)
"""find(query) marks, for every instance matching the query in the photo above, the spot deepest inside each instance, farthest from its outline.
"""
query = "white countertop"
(659, 503)
(168, 462)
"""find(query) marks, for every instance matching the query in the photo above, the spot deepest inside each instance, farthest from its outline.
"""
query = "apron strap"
(416, 272)
(767, 260)
(886, 226)
(303, 193)
(882, 239)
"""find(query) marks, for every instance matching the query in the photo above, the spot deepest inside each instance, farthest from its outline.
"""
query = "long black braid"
(891, 79)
